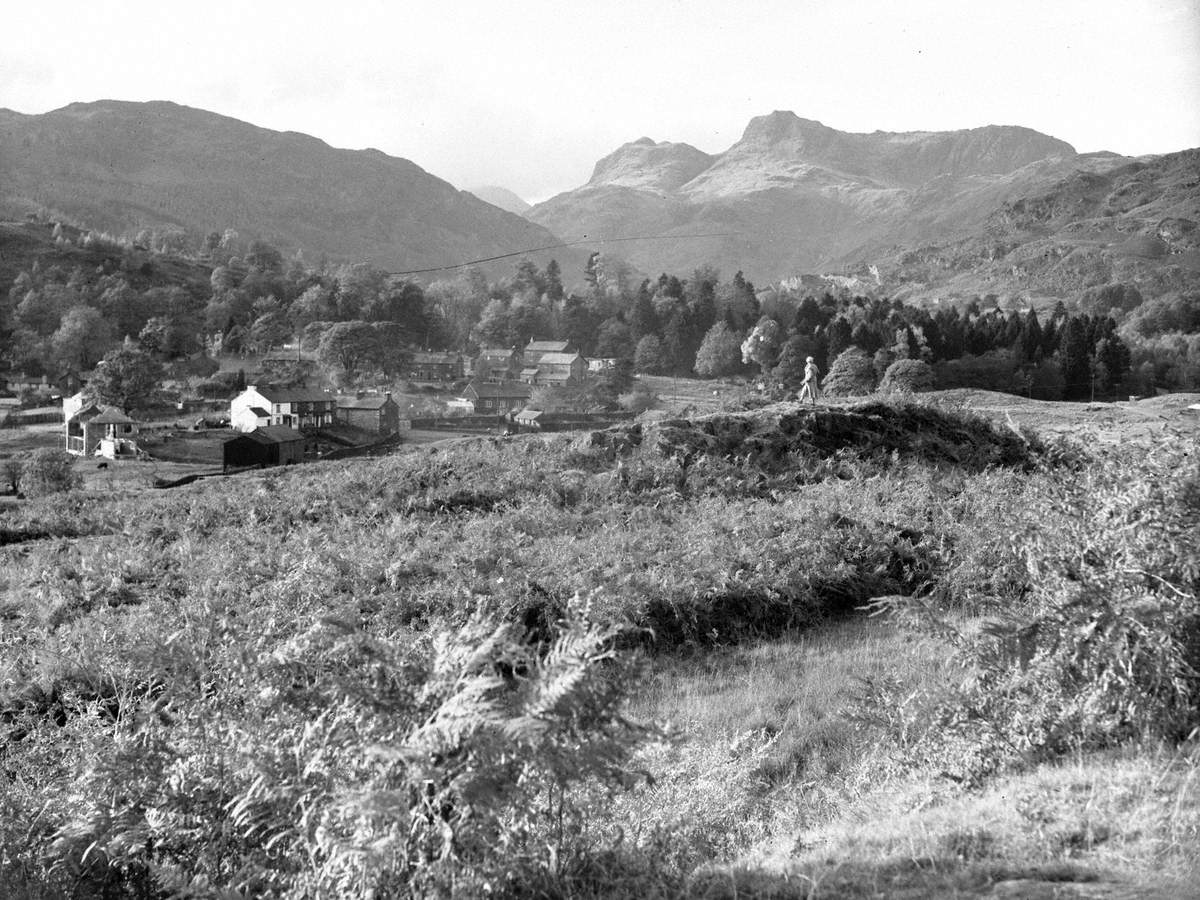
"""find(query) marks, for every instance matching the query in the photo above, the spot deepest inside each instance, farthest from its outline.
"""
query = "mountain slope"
(119, 166)
(793, 195)
(502, 197)
(1124, 222)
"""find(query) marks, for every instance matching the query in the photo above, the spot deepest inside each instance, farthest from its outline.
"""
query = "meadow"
(880, 649)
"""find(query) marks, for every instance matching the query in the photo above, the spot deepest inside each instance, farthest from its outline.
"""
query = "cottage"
(495, 365)
(102, 431)
(529, 418)
(287, 407)
(496, 398)
(275, 445)
(428, 366)
(374, 413)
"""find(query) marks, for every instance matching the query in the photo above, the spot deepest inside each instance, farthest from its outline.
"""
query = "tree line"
(364, 323)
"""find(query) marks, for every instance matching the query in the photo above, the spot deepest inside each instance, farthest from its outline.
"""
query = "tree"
(907, 376)
(349, 346)
(852, 374)
(49, 471)
(126, 378)
(720, 352)
(762, 345)
(794, 357)
(648, 356)
(82, 339)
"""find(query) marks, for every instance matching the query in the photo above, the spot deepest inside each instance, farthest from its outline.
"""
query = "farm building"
(557, 369)
(428, 366)
(496, 398)
(288, 407)
(376, 413)
(535, 350)
(104, 431)
(275, 445)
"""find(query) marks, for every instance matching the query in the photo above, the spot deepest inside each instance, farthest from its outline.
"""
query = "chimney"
(387, 395)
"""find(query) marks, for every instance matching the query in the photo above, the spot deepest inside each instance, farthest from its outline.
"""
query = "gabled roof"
(528, 415)
(529, 373)
(293, 395)
(506, 390)
(547, 346)
(102, 415)
(495, 353)
(110, 415)
(275, 434)
(557, 359)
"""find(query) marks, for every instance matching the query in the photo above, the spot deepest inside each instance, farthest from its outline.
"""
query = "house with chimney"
(552, 363)
(376, 413)
(496, 399)
(260, 407)
(429, 366)
(556, 369)
(494, 365)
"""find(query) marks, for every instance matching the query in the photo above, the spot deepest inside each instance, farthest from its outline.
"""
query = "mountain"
(795, 196)
(502, 197)
(118, 166)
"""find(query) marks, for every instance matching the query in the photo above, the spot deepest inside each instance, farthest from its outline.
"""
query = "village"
(494, 392)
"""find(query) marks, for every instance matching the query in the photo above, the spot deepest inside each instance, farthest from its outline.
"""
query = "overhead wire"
(585, 240)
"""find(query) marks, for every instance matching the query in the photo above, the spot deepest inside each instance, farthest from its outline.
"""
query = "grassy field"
(869, 650)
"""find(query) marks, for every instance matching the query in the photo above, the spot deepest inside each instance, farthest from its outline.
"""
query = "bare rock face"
(794, 195)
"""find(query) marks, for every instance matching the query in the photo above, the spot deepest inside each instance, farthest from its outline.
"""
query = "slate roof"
(275, 434)
(548, 346)
(557, 359)
(294, 395)
(495, 353)
(259, 412)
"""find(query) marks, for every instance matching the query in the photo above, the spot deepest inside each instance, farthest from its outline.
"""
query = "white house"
(260, 407)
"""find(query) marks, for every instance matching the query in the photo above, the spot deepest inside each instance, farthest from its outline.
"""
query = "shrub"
(49, 471)
(852, 374)
(907, 376)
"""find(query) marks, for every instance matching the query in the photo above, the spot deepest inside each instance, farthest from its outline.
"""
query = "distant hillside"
(119, 166)
(1127, 222)
(501, 197)
(794, 196)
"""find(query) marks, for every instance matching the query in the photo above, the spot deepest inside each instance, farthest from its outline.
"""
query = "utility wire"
(644, 237)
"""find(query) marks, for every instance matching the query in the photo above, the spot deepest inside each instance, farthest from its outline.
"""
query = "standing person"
(810, 385)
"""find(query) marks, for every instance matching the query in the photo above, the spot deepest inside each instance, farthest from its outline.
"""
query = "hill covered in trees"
(76, 295)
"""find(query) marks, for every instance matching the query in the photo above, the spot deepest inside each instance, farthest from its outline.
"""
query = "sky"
(529, 94)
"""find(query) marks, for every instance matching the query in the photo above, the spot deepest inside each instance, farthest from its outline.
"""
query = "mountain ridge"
(118, 165)
(803, 197)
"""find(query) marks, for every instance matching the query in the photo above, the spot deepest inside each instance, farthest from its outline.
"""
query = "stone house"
(378, 414)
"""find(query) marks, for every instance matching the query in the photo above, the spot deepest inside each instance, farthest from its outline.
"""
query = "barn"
(276, 445)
